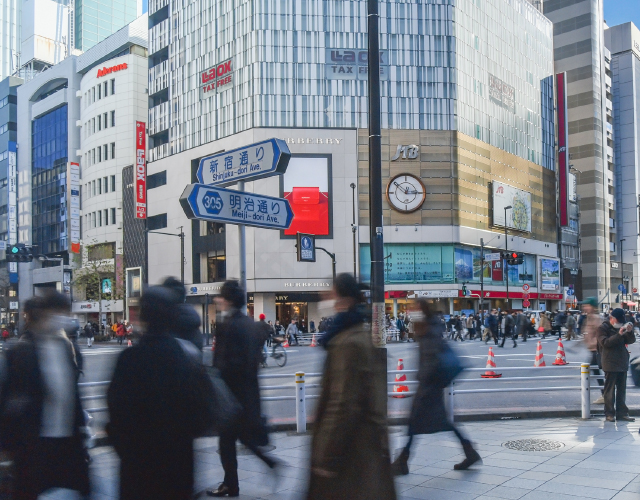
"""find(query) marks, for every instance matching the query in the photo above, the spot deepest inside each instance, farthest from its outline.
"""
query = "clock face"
(406, 193)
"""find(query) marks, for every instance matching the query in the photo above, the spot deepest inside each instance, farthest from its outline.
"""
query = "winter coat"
(428, 414)
(590, 329)
(238, 355)
(120, 331)
(507, 324)
(157, 406)
(611, 346)
(545, 323)
(522, 324)
(187, 325)
(350, 433)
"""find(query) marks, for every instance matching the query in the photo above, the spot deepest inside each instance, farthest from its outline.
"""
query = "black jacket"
(187, 325)
(158, 403)
(237, 356)
(611, 346)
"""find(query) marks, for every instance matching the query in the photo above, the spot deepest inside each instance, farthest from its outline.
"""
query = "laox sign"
(112, 69)
(215, 79)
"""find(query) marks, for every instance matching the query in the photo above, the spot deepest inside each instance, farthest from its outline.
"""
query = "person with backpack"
(428, 414)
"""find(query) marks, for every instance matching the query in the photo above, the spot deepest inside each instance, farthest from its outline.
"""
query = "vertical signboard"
(12, 190)
(141, 171)
(563, 148)
(74, 207)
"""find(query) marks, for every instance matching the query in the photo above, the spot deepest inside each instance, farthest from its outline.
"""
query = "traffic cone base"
(539, 361)
(129, 344)
(561, 359)
(286, 343)
(491, 364)
(400, 377)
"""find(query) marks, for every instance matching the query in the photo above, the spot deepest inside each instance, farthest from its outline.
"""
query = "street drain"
(533, 445)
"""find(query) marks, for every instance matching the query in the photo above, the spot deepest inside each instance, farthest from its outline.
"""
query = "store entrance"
(298, 311)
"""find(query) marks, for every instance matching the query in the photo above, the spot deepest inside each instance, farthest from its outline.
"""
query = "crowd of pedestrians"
(162, 396)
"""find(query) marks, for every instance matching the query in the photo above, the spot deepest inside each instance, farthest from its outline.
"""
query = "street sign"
(249, 163)
(526, 287)
(570, 292)
(492, 256)
(306, 247)
(622, 288)
(235, 207)
(525, 296)
(526, 303)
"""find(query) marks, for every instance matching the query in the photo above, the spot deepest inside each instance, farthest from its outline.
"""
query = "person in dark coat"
(508, 326)
(428, 413)
(158, 402)
(40, 411)
(187, 325)
(237, 356)
(612, 335)
(350, 447)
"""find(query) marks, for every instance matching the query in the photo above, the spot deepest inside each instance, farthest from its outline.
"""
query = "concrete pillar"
(264, 303)
(395, 308)
(450, 306)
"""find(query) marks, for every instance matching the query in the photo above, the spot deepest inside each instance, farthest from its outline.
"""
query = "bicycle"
(278, 353)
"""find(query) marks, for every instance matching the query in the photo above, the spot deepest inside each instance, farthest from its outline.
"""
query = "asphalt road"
(100, 361)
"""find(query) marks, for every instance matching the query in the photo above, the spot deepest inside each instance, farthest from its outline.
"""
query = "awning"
(629, 303)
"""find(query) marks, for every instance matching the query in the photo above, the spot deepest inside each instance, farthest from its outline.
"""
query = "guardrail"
(300, 387)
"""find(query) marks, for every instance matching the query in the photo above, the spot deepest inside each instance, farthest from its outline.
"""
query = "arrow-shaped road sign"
(200, 201)
(249, 163)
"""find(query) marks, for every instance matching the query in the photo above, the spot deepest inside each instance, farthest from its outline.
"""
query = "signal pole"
(506, 248)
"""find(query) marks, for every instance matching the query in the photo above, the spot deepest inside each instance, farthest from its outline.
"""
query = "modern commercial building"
(623, 41)
(468, 119)
(10, 13)
(579, 50)
(95, 20)
(76, 134)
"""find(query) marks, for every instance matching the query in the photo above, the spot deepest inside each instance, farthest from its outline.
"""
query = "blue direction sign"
(200, 201)
(622, 288)
(253, 162)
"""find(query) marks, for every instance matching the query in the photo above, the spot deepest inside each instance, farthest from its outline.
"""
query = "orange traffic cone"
(129, 344)
(286, 343)
(400, 378)
(539, 356)
(491, 363)
(561, 359)
(313, 341)
(213, 344)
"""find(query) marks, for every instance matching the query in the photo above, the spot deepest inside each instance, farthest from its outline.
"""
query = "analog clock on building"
(406, 193)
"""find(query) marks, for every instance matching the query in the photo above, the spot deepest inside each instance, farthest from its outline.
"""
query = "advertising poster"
(428, 263)
(464, 264)
(519, 215)
(496, 270)
(141, 170)
(307, 186)
(550, 271)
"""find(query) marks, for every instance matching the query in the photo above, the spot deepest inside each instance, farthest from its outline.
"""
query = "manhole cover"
(533, 445)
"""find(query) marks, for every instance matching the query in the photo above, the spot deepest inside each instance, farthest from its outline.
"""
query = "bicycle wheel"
(280, 356)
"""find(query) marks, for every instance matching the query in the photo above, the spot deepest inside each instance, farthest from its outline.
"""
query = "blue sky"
(622, 11)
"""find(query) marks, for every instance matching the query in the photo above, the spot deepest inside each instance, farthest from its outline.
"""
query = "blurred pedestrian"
(5, 334)
(570, 323)
(88, 332)
(589, 328)
(40, 410)
(508, 325)
(237, 356)
(120, 331)
(545, 324)
(428, 414)
(158, 402)
(187, 324)
(292, 332)
(522, 326)
(612, 336)
(350, 447)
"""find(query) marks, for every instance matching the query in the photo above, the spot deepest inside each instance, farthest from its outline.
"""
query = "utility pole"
(506, 248)
(242, 254)
(375, 180)
(622, 271)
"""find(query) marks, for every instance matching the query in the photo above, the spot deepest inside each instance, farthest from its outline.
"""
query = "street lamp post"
(622, 271)
(506, 248)
(354, 228)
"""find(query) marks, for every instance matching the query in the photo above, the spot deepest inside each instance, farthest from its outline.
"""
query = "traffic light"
(513, 258)
(19, 253)
(464, 290)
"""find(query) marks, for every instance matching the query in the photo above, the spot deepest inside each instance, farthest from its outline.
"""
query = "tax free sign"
(248, 163)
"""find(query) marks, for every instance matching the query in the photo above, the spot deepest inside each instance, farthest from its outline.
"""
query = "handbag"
(449, 366)
(226, 407)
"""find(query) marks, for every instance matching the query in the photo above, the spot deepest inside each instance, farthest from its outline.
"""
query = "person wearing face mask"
(350, 446)
(40, 410)
(612, 337)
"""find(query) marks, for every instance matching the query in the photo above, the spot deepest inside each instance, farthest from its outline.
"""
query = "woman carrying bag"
(439, 365)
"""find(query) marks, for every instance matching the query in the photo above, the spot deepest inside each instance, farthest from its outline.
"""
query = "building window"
(104, 119)
(113, 216)
(113, 150)
(105, 152)
(93, 121)
(216, 268)
(476, 43)
(105, 183)
(106, 216)
(99, 122)
(157, 180)
(99, 154)
(99, 92)
(99, 218)
(93, 156)
(157, 222)
(93, 218)
(113, 183)
(113, 86)
(93, 94)
(93, 189)
(99, 181)
(113, 118)
(106, 89)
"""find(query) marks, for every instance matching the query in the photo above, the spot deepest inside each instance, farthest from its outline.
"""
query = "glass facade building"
(481, 67)
(49, 143)
(95, 20)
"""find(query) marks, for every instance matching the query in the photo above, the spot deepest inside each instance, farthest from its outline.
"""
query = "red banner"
(141, 171)
(496, 270)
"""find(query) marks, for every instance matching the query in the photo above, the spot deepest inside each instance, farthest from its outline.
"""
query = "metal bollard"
(449, 402)
(585, 380)
(301, 407)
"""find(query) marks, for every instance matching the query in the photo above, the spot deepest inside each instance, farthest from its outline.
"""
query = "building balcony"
(159, 37)
(159, 118)
(159, 77)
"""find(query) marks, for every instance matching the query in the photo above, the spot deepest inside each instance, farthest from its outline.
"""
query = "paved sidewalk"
(597, 460)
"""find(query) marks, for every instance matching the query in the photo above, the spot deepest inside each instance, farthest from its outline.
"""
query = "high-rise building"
(9, 36)
(95, 20)
(467, 117)
(579, 50)
(76, 133)
(623, 41)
